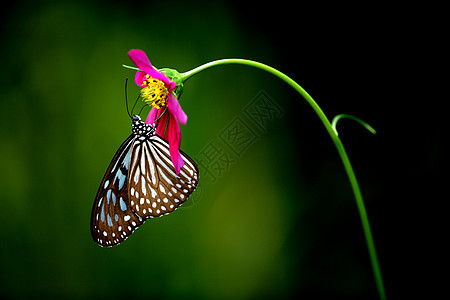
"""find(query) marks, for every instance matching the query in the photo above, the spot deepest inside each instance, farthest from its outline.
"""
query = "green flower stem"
(342, 116)
(337, 142)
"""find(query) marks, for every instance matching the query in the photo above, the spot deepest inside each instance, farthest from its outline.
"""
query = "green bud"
(175, 76)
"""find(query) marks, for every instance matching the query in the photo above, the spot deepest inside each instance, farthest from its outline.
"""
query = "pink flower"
(158, 92)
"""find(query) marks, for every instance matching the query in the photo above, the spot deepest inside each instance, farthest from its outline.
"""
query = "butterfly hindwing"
(154, 187)
(112, 219)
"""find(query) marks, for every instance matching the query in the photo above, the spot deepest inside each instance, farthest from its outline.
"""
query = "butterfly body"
(140, 183)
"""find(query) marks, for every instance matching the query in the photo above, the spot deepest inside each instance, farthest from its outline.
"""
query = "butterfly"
(140, 183)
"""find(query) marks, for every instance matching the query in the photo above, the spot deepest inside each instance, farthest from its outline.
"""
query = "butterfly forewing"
(112, 219)
(154, 187)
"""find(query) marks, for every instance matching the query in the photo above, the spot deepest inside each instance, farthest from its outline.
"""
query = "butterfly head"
(140, 128)
(136, 119)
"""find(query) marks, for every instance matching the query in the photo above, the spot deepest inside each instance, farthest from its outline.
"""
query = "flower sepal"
(174, 76)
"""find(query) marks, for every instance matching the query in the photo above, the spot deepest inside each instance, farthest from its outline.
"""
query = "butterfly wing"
(112, 219)
(154, 187)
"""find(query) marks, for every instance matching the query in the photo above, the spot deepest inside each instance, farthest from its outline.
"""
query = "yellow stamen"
(154, 93)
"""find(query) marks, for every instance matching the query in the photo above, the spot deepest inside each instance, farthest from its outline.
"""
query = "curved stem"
(337, 142)
(341, 116)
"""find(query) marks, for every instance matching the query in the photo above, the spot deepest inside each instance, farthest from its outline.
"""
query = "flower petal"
(139, 78)
(176, 110)
(161, 124)
(174, 144)
(152, 116)
(158, 75)
(173, 136)
(140, 59)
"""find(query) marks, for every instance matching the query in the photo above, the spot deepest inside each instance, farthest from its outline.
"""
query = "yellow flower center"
(154, 93)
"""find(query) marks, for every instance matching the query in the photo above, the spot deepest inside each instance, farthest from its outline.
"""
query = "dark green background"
(281, 221)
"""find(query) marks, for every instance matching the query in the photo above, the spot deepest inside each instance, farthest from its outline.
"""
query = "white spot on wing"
(153, 192)
(161, 188)
(143, 163)
(144, 190)
(136, 175)
(150, 163)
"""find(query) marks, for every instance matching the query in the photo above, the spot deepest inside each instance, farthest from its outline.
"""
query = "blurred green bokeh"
(260, 230)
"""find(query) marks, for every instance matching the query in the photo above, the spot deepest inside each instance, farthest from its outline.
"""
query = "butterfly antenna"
(145, 105)
(135, 102)
(126, 97)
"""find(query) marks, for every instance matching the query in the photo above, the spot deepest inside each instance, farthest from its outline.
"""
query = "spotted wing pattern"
(140, 183)
(112, 219)
(154, 187)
